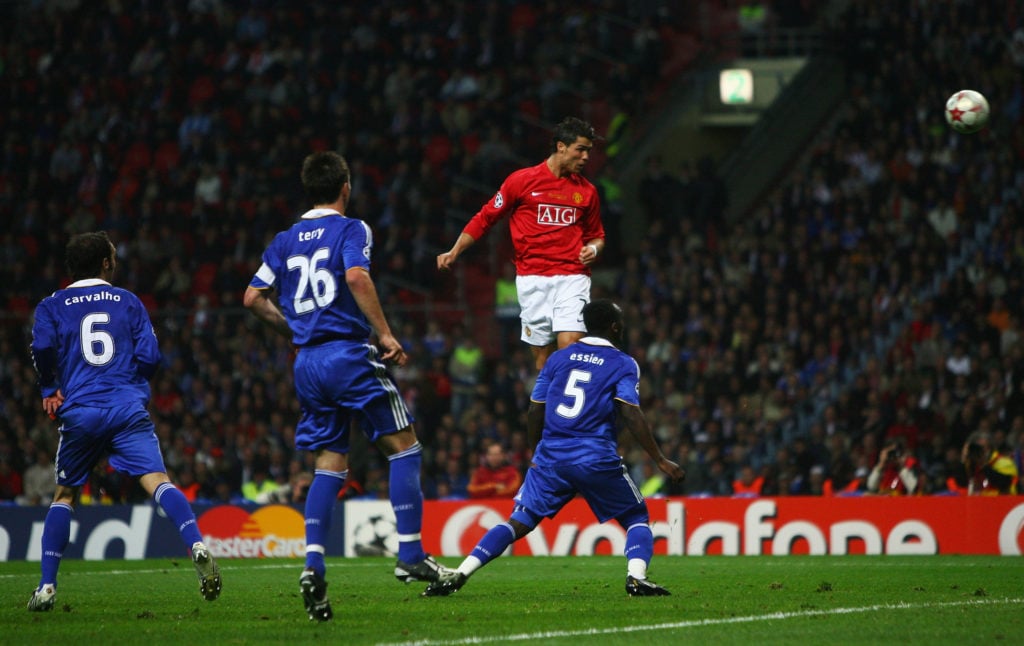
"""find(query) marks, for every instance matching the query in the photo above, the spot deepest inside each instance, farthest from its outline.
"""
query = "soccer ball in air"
(967, 111)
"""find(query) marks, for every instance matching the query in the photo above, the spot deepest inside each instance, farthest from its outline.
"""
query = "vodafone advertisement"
(682, 526)
(142, 531)
(725, 526)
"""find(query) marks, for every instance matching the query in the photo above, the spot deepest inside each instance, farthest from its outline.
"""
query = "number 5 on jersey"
(573, 390)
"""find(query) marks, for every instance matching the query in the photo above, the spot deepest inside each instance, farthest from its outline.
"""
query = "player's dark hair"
(85, 253)
(323, 175)
(569, 130)
(599, 316)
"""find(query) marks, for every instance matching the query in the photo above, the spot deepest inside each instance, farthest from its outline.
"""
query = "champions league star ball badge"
(376, 536)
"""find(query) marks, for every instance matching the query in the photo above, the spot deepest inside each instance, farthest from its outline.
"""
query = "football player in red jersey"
(555, 222)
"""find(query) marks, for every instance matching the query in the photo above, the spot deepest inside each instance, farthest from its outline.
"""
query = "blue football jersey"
(95, 343)
(307, 265)
(579, 386)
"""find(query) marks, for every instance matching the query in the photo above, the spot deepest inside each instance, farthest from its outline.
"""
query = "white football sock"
(637, 568)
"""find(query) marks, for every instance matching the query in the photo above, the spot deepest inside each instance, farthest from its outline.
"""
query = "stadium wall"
(139, 531)
(740, 526)
(682, 526)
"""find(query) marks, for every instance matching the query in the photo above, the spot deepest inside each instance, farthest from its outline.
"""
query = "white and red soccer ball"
(967, 111)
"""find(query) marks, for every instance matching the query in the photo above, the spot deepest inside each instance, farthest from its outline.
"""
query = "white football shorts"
(551, 304)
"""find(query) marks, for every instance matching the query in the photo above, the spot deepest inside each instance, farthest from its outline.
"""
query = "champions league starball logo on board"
(274, 531)
(370, 528)
(375, 536)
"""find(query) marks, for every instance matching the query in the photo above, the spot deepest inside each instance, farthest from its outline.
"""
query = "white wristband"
(594, 248)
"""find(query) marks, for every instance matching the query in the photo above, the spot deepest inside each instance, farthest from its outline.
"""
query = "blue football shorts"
(606, 486)
(338, 381)
(125, 433)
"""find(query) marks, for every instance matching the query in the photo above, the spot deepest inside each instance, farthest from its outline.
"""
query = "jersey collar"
(572, 177)
(89, 282)
(319, 213)
(596, 340)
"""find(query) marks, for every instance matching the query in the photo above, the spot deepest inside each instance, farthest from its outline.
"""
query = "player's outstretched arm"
(636, 422)
(447, 259)
(258, 302)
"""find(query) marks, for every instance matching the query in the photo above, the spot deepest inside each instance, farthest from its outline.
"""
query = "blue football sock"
(639, 542)
(323, 493)
(407, 502)
(494, 543)
(56, 534)
(176, 506)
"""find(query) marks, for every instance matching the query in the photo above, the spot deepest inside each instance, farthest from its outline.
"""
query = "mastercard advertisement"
(691, 526)
(101, 532)
(274, 531)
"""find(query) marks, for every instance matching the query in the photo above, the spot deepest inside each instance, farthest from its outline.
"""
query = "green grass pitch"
(550, 600)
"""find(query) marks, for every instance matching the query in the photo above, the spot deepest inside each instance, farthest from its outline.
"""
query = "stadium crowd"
(874, 296)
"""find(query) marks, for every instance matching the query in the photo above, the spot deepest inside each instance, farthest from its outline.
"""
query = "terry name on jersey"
(315, 234)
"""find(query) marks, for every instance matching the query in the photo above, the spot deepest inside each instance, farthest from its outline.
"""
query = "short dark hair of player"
(603, 318)
(571, 129)
(323, 175)
(85, 254)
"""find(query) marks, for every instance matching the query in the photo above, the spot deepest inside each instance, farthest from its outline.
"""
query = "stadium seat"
(166, 157)
(203, 279)
(137, 158)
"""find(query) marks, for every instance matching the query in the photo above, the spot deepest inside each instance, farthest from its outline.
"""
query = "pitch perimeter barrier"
(140, 531)
(724, 526)
(682, 526)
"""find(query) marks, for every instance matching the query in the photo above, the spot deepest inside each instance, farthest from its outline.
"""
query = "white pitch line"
(698, 623)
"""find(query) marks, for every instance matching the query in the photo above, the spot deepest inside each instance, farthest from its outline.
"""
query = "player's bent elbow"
(357, 279)
(251, 297)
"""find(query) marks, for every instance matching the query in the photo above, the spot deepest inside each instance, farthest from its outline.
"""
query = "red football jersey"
(551, 219)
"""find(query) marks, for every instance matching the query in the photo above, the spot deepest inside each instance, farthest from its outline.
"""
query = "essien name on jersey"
(587, 358)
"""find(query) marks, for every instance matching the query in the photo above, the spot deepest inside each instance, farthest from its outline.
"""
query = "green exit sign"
(736, 86)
